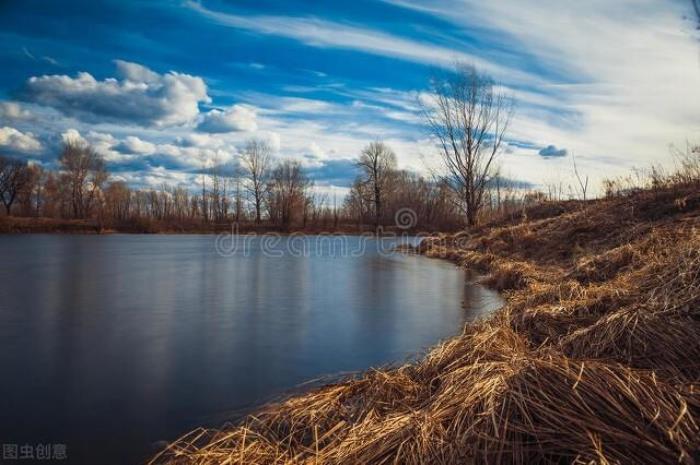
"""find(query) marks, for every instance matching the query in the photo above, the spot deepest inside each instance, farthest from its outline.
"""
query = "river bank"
(40, 225)
(593, 359)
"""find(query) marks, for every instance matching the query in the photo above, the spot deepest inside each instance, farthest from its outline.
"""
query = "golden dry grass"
(595, 358)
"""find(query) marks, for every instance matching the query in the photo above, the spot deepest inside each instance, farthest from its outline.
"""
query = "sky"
(165, 88)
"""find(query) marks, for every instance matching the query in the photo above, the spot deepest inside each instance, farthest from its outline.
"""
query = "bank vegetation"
(594, 358)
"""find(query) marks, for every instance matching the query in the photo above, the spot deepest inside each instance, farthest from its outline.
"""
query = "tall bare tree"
(468, 116)
(14, 177)
(582, 179)
(256, 160)
(219, 193)
(288, 192)
(356, 202)
(205, 204)
(84, 173)
(377, 162)
(118, 200)
(237, 197)
(31, 195)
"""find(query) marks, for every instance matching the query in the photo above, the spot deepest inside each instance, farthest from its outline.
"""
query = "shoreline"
(593, 356)
(33, 225)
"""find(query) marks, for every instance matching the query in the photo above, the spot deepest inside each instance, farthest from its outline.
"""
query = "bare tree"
(581, 179)
(234, 195)
(84, 173)
(288, 192)
(256, 159)
(468, 116)
(356, 202)
(377, 162)
(14, 176)
(30, 196)
(219, 192)
(118, 200)
(237, 198)
(205, 204)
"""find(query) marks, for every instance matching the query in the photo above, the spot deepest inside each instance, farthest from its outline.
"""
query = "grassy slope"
(594, 359)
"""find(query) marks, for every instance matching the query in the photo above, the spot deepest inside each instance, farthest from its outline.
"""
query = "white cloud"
(157, 176)
(141, 96)
(16, 140)
(105, 144)
(72, 135)
(315, 150)
(33, 57)
(234, 118)
(13, 110)
(198, 140)
(304, 105)
(133, 144)
(274, 140)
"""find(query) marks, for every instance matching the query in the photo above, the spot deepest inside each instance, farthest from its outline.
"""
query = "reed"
(595, 358)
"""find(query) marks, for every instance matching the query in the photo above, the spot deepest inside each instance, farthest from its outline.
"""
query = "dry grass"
(594, 359)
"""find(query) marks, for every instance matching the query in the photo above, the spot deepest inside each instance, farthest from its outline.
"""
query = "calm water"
(109, 344)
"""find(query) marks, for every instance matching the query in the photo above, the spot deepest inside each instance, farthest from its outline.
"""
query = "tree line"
(261, 192)
(466, 114)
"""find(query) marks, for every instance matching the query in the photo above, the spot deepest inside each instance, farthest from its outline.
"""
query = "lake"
(111, 344)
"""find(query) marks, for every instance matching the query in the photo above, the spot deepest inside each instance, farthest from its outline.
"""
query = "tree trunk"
(257, 209)
(377, 208)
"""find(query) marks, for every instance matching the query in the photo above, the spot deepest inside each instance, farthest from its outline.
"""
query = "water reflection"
(109, 344)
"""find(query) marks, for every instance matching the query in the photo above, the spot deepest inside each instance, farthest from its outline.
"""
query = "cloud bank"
(15, 140)
(234, 118)
(138, 96)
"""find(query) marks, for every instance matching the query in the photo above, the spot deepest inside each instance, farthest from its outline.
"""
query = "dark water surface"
(109, 344)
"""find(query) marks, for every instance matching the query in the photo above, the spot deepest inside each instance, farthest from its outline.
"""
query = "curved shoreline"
(594, 357)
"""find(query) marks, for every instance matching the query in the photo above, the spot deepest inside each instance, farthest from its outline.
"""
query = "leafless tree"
(377, 162)
(288, 192)
(256, 160)
(180, 202)
(32, 195)
(14, 176)
(118, 200)
(84, 172)
(219, 194)
(581, 179)
(356, 202)
(204, 197)
(237, 198)
(468, 116)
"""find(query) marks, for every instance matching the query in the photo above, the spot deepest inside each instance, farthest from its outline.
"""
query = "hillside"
(595, 358)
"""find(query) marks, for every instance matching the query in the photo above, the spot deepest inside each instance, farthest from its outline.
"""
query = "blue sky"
(164, 88)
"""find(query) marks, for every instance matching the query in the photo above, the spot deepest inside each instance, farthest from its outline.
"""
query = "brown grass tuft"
(594, 359)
